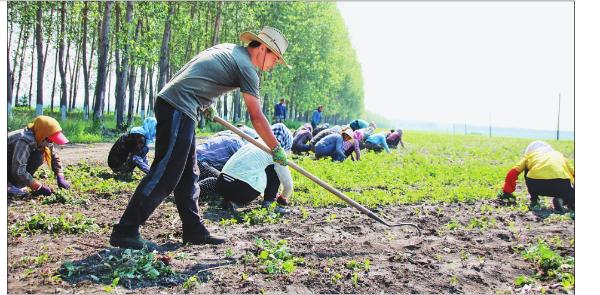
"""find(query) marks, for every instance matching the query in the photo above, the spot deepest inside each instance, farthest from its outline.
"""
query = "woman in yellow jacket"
(547, 173)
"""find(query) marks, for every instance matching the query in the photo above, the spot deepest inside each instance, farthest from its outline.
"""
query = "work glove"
(279, 155)
(209, 113)
(43, 190)
(140, 163)
(62, 182)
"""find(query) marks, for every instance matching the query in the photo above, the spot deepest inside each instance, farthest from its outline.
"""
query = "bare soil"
(440, 261)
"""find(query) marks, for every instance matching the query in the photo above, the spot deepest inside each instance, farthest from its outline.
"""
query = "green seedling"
(74, 223)
(331, 218)
(228, 253)
(453, 224)
(523, 280)
(273, 258)
(190, 283)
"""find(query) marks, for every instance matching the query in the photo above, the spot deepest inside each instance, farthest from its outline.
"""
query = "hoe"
(316, 179)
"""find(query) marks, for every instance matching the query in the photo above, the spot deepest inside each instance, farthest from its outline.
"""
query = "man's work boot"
(128, 237)
(202, 239)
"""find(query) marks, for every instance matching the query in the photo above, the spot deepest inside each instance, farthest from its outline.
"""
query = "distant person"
(131, 149)
(547, 173)
(28, 149)
(251, 172)
(302, 139)
(316, 117)
(333, 145)
(377, 143)
(394, 137)
(280, 111)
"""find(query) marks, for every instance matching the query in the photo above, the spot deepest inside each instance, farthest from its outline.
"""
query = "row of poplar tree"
(140, 45)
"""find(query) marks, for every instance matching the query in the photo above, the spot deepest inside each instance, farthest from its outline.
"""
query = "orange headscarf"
(43, 127)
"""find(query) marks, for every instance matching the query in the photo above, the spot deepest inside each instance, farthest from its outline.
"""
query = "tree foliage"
(325, 67)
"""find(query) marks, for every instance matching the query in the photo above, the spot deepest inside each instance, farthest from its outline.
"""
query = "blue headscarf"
(148, 129)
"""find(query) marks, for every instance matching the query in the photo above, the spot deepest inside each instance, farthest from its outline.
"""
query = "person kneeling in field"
(250, 172)
(547, 173)
(333, 145)
(131, 149)
(316, 138)
(302, 139)
(394, 137)
(27, 149)
(212, 156)
(377, 143)
(353, 145)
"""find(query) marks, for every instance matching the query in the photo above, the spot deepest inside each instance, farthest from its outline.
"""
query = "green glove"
(279, 155)
(209, 113)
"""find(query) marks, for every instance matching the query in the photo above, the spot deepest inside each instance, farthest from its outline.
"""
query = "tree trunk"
(74, 79)
(151, 93)
(53, 83)
(49, 34)
(217, 28)
(132, 76)
(102, 59)
(164, 49)
(39, 107)
(9, 87)
(189, 41)
(31, 76)
(61, 67)
(14, 63)
(22, 61)
(86, 77)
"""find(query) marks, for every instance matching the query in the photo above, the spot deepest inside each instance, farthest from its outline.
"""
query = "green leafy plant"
(273, 257)
(261, 215)
(190, 283)
(453, 224)
(523, 280)
(74, 223)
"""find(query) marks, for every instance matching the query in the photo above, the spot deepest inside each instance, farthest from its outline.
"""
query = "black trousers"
(242, 193)
(174, 170)
(36, 159)
(556, 188)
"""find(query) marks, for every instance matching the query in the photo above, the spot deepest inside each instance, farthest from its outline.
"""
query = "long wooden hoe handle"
(318, 181)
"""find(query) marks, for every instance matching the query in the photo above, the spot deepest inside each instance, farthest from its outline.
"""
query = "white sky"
(458, 62)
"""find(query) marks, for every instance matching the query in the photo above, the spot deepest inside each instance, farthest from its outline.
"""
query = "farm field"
(446, 184)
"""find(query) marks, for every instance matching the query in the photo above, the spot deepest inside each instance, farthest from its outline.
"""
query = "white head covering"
(538, 146)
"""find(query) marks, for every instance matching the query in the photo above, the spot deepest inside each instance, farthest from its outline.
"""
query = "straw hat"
(272, 38)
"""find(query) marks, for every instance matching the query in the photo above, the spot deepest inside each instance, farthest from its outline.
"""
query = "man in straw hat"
(192, 91)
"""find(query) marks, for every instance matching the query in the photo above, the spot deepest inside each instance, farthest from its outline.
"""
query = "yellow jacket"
(546, 165)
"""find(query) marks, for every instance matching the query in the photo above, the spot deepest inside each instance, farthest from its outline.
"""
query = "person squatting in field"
(377, 143)
(547, 173)
(28, 148)
(131, 149)
(393, 138)
(333, 145)
(302, 139)
(192, 91)
(316, 138)
(353, 145)
(212, 156)
(250, 172)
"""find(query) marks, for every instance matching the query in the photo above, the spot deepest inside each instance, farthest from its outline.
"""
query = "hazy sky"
(462, 61)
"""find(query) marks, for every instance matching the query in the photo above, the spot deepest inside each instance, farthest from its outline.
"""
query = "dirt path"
(462, 260)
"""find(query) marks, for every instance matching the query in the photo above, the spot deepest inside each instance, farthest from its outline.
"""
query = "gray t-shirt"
(208, 75)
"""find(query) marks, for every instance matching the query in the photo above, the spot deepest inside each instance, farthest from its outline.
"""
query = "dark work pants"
(174, 170)
(556, 188)
(242, 193)
(36, 159)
